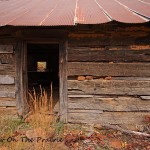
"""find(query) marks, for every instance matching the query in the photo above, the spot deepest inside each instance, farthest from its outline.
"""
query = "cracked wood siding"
(7, 79)
(118, 59)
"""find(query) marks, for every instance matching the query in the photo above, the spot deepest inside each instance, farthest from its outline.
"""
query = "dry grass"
(41, 122)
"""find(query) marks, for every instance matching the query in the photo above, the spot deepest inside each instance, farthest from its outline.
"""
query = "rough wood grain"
(7, 91)
(8, 111)
(10, 94)
(6, 69)
(10, 87)
(7, 58)
(109, 35)
(5, 79)
(108, 103)
(107, 39)
(108, 87)
(86, 55)
(63, 80)
(109, 69)
(20, 68)
(6, 48)
(6, 103)
(108, 118)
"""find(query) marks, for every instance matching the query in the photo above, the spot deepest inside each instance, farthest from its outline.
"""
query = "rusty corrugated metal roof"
(71, 12)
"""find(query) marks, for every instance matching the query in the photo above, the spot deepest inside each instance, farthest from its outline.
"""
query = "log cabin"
(96, 53)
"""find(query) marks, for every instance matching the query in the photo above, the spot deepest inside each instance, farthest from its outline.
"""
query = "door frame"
(22, 77)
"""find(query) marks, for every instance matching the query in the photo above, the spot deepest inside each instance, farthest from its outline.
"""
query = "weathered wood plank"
(86, 55)
(5, 79)
(108, 103)
(108, 117)
(10, 94)
(6, 48)
(108, 87)
(7, 91)
(10, 87)
(107, 39)
(109, 69)
(63, 80)
(7, 99)
(7, 58)
(6, 69)
(6, 103)
(8, 111)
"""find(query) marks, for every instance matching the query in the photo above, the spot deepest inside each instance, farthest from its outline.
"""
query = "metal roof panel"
(89, 12)
(137, 6)
(120, 13)
(62, 14)
(71, 12)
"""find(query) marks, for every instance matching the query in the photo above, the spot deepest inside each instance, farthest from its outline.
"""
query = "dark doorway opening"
(43, 68)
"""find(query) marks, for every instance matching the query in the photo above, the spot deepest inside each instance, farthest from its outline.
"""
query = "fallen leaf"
(115, 143)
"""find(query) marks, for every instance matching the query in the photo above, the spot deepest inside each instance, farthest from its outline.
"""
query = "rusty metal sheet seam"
(105, 12)
(48, 14)
(75, 17)
(144, 2)
(145, 18)
(20, 15)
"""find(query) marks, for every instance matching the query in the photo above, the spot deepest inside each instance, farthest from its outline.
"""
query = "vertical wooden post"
(63, 80)
(20, 72)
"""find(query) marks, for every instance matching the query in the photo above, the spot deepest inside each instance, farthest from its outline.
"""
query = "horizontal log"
(5, 79)
(7, 58)
(6, 48)
(131, 78)
(108, 87)
(8, 111)
(107, 39)
(7, 91)
(86, 55)
(7, 99)
(108, 118)
(109, 69)
(10, 87)
(10, 94)
(108, 103)
(6, 69)
(7, 103)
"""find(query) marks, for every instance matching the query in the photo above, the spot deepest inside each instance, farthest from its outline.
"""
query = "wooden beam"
(10, 94)
(107, 103)
(7, 103)
(5, 79)
(108, 87)
(7, 91)
(6, 48)
(88, 55)
(6, 69)
(63, 80)
(109, 69)
(8, 111)
(108, 118)
(7, 58)
(19, 75)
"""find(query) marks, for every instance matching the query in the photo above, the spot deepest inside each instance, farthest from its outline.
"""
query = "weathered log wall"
(117, 59)
(7, 79)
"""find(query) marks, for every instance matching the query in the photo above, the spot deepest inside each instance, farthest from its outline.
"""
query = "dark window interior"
(43, 65)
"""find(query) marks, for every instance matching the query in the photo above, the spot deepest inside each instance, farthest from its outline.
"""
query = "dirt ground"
(42, 132)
